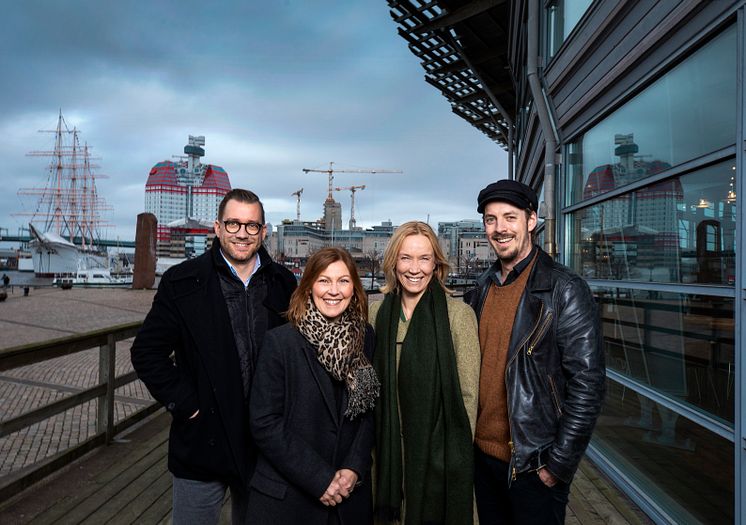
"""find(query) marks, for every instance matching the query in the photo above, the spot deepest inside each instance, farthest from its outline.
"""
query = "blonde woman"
(427, 359)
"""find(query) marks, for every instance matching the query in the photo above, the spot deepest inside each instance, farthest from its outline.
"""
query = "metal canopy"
(463, 47)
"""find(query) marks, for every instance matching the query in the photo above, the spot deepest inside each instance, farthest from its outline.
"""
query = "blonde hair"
(392, 253)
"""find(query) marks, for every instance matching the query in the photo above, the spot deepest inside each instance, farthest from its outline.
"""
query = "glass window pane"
(562, 17)
(680, 230)
(683, 467)
(681, 345)
(685, 114)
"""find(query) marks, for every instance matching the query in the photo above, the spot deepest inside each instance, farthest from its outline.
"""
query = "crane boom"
(331, 171)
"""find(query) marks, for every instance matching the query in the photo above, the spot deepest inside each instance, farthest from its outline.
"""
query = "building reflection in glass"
(679, 344)
(679, 230)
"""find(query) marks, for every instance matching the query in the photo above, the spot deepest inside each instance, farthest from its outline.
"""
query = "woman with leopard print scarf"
(312, 400)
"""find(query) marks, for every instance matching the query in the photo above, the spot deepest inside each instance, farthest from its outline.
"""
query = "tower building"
(185, 193)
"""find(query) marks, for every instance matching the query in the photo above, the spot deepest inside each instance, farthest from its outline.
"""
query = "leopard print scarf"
(339, 347)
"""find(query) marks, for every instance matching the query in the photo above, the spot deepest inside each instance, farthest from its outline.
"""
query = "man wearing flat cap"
(543, 374)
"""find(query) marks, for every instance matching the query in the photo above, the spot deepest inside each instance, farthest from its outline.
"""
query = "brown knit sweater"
(495, 328)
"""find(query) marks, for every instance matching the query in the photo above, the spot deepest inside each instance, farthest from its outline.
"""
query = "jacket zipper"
(510, 419)
(555, 397)
(513, 472)
(533, 330)
(539, 333)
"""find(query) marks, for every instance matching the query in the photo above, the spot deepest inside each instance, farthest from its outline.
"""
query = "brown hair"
(392, 253)
(240, 195)
(317, 263)
(532, 233)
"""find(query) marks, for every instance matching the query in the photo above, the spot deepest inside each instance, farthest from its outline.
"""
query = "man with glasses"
(196, 353)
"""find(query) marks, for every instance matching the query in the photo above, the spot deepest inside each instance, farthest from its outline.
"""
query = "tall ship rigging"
(66, 225)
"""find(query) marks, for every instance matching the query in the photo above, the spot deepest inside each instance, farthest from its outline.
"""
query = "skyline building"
(184, 196)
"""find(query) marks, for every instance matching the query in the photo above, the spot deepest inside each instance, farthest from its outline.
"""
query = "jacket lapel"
(209, 327)
(323, 380)
(530, 308)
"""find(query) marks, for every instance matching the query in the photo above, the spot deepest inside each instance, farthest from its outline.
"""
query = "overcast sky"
(274, 87)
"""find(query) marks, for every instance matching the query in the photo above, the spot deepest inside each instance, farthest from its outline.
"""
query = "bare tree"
(373, 260)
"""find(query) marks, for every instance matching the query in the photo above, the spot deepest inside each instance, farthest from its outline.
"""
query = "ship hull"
(53, 256)
(51, 260)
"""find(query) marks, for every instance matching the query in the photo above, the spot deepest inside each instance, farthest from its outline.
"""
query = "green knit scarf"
(438, 450)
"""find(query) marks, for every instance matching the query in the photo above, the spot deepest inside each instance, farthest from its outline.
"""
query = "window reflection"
(681, 345)
(685, 114)
(660, 451)
(562, 17)
(680, 230)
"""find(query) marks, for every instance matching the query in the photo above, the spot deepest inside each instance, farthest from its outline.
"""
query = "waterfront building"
(466, 247)
(181, 192)
(296, 240)
(628, 118)
(188, 238)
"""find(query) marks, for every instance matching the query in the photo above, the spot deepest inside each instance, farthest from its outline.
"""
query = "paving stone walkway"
(50, 313)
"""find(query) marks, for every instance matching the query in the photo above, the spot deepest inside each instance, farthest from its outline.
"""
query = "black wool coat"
(186, 355)
(303, 438)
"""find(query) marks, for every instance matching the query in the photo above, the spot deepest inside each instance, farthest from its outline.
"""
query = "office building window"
(678, 230)
(682, 345)
(685, 114)
(682, 466)
(562, 16)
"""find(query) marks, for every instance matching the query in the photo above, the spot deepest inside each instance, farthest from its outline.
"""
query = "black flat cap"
(510, 191)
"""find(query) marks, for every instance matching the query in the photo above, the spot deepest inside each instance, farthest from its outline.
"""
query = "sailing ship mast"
(69, 205)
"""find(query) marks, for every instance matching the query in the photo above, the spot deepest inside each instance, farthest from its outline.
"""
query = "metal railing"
(108, 382)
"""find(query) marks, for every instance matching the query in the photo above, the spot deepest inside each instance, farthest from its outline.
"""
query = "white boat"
(164, 263)
(53, 255)
(99, 277)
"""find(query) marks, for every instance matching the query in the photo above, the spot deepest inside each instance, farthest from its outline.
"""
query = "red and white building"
(185, 192)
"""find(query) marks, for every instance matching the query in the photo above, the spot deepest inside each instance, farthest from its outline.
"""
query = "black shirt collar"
(517, 269)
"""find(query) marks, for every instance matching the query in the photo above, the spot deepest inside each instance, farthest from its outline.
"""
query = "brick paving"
(50, 313)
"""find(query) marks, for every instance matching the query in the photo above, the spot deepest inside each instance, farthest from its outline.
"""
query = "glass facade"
(680, 465)
(562, 17)
(661, 260)
(678, 230)
(665, 125)
(681, 345)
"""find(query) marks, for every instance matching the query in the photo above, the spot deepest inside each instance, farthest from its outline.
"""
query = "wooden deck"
(127, 482)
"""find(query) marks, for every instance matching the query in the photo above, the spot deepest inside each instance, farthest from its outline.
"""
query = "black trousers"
(526, 502)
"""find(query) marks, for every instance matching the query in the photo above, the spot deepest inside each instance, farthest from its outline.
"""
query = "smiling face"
(415, 264)
(508, 231)
(332, 290)
(240, 247)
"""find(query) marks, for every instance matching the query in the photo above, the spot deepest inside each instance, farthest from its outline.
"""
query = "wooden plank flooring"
(128, 482)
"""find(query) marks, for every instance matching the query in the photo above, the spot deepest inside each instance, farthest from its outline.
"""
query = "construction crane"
(331, 171)
(352, 189)
(297, 205)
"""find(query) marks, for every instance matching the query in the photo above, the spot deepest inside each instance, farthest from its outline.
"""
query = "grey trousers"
(199, 502)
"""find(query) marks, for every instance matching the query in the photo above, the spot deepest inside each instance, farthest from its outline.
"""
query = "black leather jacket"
(555, 373)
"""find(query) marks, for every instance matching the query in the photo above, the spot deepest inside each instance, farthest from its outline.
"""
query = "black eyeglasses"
(252, 228)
